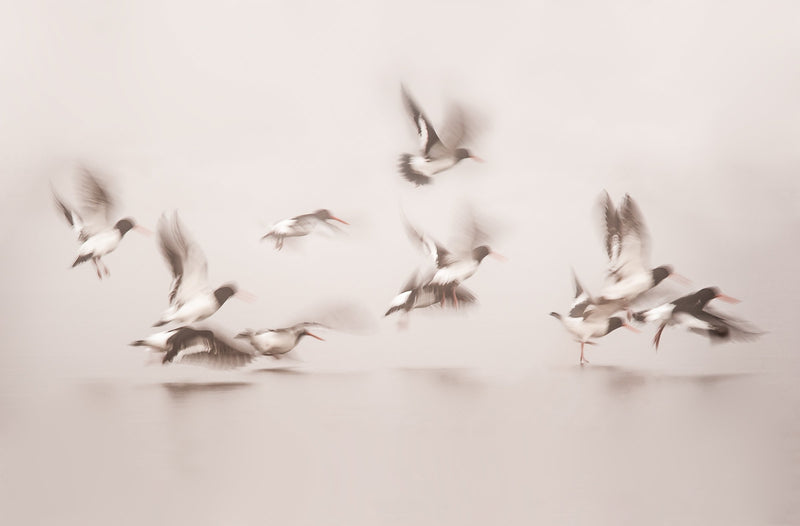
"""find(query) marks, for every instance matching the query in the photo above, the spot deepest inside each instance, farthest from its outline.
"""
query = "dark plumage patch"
(81, 259)
(410, 174)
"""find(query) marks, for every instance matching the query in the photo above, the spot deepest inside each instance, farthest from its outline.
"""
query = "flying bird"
(627, 246)
(191, 298)
(585, 323)
(277, 342)
(692, 312)
(301, 225)
(416, 294)
(205, 346)
(93, 222)
(434, 155)
(451, 269)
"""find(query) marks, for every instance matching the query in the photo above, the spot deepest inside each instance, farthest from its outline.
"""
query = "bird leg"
(97, 268)
(105, 268)
(455, 298)
(657, 337)
(583, 360)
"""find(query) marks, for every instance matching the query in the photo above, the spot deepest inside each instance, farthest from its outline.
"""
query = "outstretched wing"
(727, 328)
(427, 135)
(97, 204)
(612, 229)
(185, 259)
(582, 299)
(440, 256)
(633, 256)
(72, 217)
(203, 346)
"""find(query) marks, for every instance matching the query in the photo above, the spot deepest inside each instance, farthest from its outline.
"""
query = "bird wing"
(202, 345)
(72, 217)
(185, 258)
(458, 128)
(633, 256)
(611, 227)
(727, 327)
(440, 256)
(97, 205)
(427, 135)
(582, 299)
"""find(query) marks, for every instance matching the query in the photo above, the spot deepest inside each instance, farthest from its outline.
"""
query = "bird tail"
(81, 259)
(407, 171)
(244, 334)
(268, 234)
(555, 315)
(138, 343)
(159, 323)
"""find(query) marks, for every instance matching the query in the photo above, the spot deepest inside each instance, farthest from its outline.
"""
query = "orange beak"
(631, 328)
(142, 230)
(315, 336)
(477, 159)
(727, 299)
(680, 279)
(244, 295)
(498, 256)
(340, 220)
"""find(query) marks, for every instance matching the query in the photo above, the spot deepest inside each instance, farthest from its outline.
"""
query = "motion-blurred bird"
(191, 298)
(92, 223)
(204, 346)
(691, 312)
(434, 156)
(301, 225)
(627, 246)
(277, 342)
(451, 269)
(585, 323)
(417, 294)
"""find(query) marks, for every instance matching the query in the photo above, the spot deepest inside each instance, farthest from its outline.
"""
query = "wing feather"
(185, 259)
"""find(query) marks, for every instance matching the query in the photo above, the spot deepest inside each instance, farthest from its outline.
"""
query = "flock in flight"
(628, 285)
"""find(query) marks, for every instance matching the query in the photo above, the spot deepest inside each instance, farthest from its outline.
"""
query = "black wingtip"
(137, 343)
(555, 315)
(159, 323)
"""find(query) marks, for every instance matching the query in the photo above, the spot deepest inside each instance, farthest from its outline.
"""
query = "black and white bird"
(585, 323)
(190, 298)
(277, 342)
(418, 294)
(692, 313)
(627, 246)
(93, 223)
(452, 269)
(434, 156)
(301, 225)
(200, 345)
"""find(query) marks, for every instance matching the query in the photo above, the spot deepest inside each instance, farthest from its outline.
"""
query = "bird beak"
(244, 295)
(143, 230)
(680, 279)
(498, 256)
(477, 159)
(340, 220)
(315, 336)
(631, 328)
(727, 299)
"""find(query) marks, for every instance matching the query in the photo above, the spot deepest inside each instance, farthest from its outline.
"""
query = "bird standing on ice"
(301, 225)
(191, 298)
(434, 156)
(585, 323)
(92, 224)
(691, 312)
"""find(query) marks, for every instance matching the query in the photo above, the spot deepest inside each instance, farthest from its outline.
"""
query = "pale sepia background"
(241, 113)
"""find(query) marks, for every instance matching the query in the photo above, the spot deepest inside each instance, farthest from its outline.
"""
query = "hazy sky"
(242, 113)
